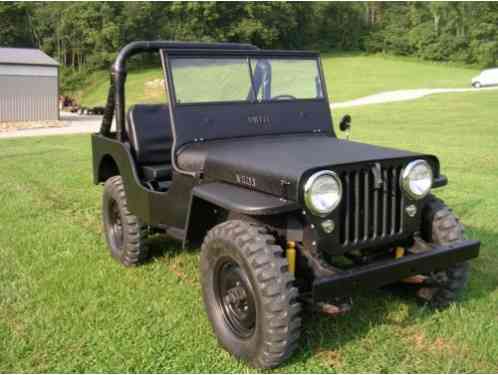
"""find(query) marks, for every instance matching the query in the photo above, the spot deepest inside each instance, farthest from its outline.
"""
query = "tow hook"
(339, 308)
(414, 279)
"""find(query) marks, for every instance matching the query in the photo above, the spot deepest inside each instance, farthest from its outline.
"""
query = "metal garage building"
(29, 85)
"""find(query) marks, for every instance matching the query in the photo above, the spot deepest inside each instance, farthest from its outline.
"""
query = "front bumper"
(385, 272)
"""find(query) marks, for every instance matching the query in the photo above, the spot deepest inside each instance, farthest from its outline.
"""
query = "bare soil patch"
(23, 125)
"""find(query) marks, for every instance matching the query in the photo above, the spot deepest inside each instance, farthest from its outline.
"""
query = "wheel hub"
(235, 298)
(116, 225)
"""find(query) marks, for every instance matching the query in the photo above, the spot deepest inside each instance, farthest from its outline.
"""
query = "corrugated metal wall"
(28, 98)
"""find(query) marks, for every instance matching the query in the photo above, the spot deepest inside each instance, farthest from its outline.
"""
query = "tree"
(15, 28)
(84, 36)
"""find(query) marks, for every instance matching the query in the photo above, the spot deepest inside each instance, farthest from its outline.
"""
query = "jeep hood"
(277, 164)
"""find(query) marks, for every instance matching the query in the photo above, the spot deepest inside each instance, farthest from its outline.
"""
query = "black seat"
(149, 133)
(157, 172)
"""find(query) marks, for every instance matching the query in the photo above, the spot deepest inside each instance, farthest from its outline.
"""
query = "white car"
(488, 77)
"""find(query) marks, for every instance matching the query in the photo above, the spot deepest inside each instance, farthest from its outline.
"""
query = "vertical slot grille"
(371, 212)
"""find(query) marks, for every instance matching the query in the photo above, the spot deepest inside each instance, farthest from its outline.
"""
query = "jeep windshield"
(223, 79)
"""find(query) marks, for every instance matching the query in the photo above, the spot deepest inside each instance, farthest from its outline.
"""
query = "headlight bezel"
(308, 192)
(405, 178)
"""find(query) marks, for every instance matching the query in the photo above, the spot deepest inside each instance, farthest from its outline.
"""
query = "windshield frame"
(241, 54)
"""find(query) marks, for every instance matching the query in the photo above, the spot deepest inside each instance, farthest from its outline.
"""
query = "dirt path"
(401, 95)
(73, 124)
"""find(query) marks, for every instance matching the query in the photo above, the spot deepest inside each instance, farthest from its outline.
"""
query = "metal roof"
(25, 56)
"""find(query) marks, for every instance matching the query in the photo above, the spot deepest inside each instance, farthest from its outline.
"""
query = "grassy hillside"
(66, 306)
(348, 77)
(97, 87)
(353, 76)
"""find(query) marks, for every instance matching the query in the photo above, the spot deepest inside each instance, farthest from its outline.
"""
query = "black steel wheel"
(441, 226)
(248, 293)
(115, 225)
(235, 297)
(124, 233)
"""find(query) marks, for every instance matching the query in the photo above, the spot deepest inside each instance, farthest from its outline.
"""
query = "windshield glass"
(203, 80)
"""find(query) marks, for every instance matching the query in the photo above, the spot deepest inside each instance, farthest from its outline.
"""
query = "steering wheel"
(283, 97)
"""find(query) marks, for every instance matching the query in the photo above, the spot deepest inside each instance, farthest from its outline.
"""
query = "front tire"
(476, 85)
(442, 227)
(248, 293)
(124, 232)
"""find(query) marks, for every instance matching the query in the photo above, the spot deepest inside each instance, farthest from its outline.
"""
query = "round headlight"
(416, 179)
(322, 192)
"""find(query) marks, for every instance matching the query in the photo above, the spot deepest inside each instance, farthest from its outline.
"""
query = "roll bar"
(115, 98)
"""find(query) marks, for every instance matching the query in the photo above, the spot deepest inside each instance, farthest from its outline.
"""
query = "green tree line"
(85, 36)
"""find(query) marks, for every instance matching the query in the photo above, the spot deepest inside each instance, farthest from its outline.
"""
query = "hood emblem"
(377, 173)
(259, 120)
(245, 180)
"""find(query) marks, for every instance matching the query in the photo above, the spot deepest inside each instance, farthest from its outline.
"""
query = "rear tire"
(248, 293)
(124, 233)
(442, 227)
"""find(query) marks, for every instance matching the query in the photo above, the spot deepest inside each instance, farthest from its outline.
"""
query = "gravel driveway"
(401, 95)
(73, 124)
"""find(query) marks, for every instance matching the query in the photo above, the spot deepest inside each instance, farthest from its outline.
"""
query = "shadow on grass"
(161, 246)
(323, 336)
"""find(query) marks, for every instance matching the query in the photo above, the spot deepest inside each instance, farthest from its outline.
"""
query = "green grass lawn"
(353, 76)
(348, 77)
(67, 306)
(95, 92)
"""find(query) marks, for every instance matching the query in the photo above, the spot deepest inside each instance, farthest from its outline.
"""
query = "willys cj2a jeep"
(244, 160)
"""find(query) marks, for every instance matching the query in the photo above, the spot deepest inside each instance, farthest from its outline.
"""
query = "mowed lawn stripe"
(67, 306)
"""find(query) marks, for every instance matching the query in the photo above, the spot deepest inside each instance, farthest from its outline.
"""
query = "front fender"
(242, 200)
(208, 198)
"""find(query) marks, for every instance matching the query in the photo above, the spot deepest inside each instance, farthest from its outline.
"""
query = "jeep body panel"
(153, 207)
(239, 120)
(172, 209)
(212, 200)
(241, 200)
(278, 165)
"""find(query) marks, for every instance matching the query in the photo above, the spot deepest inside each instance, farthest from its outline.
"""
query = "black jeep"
(243, 160)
